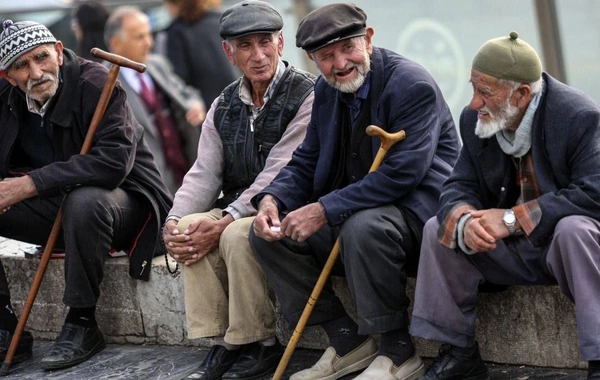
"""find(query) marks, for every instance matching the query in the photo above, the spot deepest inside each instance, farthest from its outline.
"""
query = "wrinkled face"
(492, 100)
(36, 72)
(134, 41)
(345, 64)
(257, 55)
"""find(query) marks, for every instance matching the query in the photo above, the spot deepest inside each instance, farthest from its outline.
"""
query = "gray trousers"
(448, 279)
(376, 245)
(94, 221)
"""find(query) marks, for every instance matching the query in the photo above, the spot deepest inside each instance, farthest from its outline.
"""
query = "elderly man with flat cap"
(115, 197)
(325, 193)
(249, 134)
(521, 207)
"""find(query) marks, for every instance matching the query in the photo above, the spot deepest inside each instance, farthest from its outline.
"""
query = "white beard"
(500, 121)
(353, 85)
(43, 97)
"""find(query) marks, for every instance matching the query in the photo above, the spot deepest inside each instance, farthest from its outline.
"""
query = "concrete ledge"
(523, 325)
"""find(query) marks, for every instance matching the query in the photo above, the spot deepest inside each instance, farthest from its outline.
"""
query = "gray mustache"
(33, 82)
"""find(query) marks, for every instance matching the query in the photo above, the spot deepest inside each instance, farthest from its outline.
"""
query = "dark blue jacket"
(565, 147)
(403, 97)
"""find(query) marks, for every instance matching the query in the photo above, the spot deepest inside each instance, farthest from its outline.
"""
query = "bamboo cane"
(387, 141)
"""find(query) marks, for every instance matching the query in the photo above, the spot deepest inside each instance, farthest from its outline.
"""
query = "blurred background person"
(88, 22)
(193, 46)
(170, 111)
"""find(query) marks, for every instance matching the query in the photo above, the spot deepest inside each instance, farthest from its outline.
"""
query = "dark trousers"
(94, 221)
(376, 245)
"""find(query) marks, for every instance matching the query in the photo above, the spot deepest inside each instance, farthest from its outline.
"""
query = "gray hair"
(536, 86)
(114, 24)
(274, 37)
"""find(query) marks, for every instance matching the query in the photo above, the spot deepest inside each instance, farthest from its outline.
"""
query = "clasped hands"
(196, 241)
(484, 229)
(298, 224)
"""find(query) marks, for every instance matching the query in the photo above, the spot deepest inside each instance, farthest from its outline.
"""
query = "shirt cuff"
(460, 227)
(529, 215)
(233, 212)
(172, 217)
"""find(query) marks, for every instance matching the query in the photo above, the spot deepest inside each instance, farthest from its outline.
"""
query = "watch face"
(509, 217)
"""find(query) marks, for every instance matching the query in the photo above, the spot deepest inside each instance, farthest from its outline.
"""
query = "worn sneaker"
(383, 368)
(331, 366)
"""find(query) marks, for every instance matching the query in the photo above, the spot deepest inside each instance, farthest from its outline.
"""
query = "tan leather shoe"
(382, 368)
(331, 366)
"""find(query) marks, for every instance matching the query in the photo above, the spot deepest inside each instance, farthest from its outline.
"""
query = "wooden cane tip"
(4, 369)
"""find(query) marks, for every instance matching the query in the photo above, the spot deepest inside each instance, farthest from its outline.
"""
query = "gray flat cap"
(329, 24)
(250, 17)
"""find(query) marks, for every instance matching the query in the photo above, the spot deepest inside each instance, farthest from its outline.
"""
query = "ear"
(5, 75)
(310, 56)
(228, 52)
(58, 46)
(280, 43)
(114, 44)
(368, 39)
(523, 95)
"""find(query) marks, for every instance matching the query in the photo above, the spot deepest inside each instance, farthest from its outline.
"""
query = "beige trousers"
(226, 292)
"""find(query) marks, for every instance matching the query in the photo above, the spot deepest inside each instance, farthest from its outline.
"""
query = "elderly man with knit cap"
(115, 197)
(249, 134)
(326, 192)
(521, 207)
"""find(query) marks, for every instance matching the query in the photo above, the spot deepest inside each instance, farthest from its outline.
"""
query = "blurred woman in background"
(194, 46)
(88, 25)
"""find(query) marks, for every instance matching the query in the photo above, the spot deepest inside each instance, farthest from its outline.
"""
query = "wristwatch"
(509, 220)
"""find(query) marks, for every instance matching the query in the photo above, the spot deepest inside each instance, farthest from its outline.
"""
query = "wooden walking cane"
(107, 90)
(387, 141)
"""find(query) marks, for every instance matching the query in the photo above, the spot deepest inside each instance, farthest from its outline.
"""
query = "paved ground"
(175, 362)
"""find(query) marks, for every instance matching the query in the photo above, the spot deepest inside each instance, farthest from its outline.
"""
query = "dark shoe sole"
(259, 376)
(61, 365)
(483, 376)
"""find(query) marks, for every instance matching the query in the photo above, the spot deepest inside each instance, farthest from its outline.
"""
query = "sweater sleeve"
(202, 184)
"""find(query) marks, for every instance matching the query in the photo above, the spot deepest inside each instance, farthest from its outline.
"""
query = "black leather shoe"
(255, 362)
(453, 363)
(215, 364)
(593, 374)
(74, 345)
(24, 348)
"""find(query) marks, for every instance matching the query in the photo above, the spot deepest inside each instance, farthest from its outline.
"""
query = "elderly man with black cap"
(521, 207)
(249, 134)
(115, 196)
(325, 193)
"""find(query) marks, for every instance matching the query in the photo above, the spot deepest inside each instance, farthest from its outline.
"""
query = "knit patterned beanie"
(20, 37)
(508, 58)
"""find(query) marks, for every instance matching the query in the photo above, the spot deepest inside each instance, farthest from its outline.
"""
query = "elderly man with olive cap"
(325, 193)
(249, 134)
(521, 207)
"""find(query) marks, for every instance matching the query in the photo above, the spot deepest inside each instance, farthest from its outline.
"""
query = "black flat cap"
(329, 24)
(249, 17)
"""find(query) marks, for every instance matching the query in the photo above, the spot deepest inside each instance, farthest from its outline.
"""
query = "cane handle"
(118, 60)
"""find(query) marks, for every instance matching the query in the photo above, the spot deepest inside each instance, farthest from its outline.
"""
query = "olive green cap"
(508, 58)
